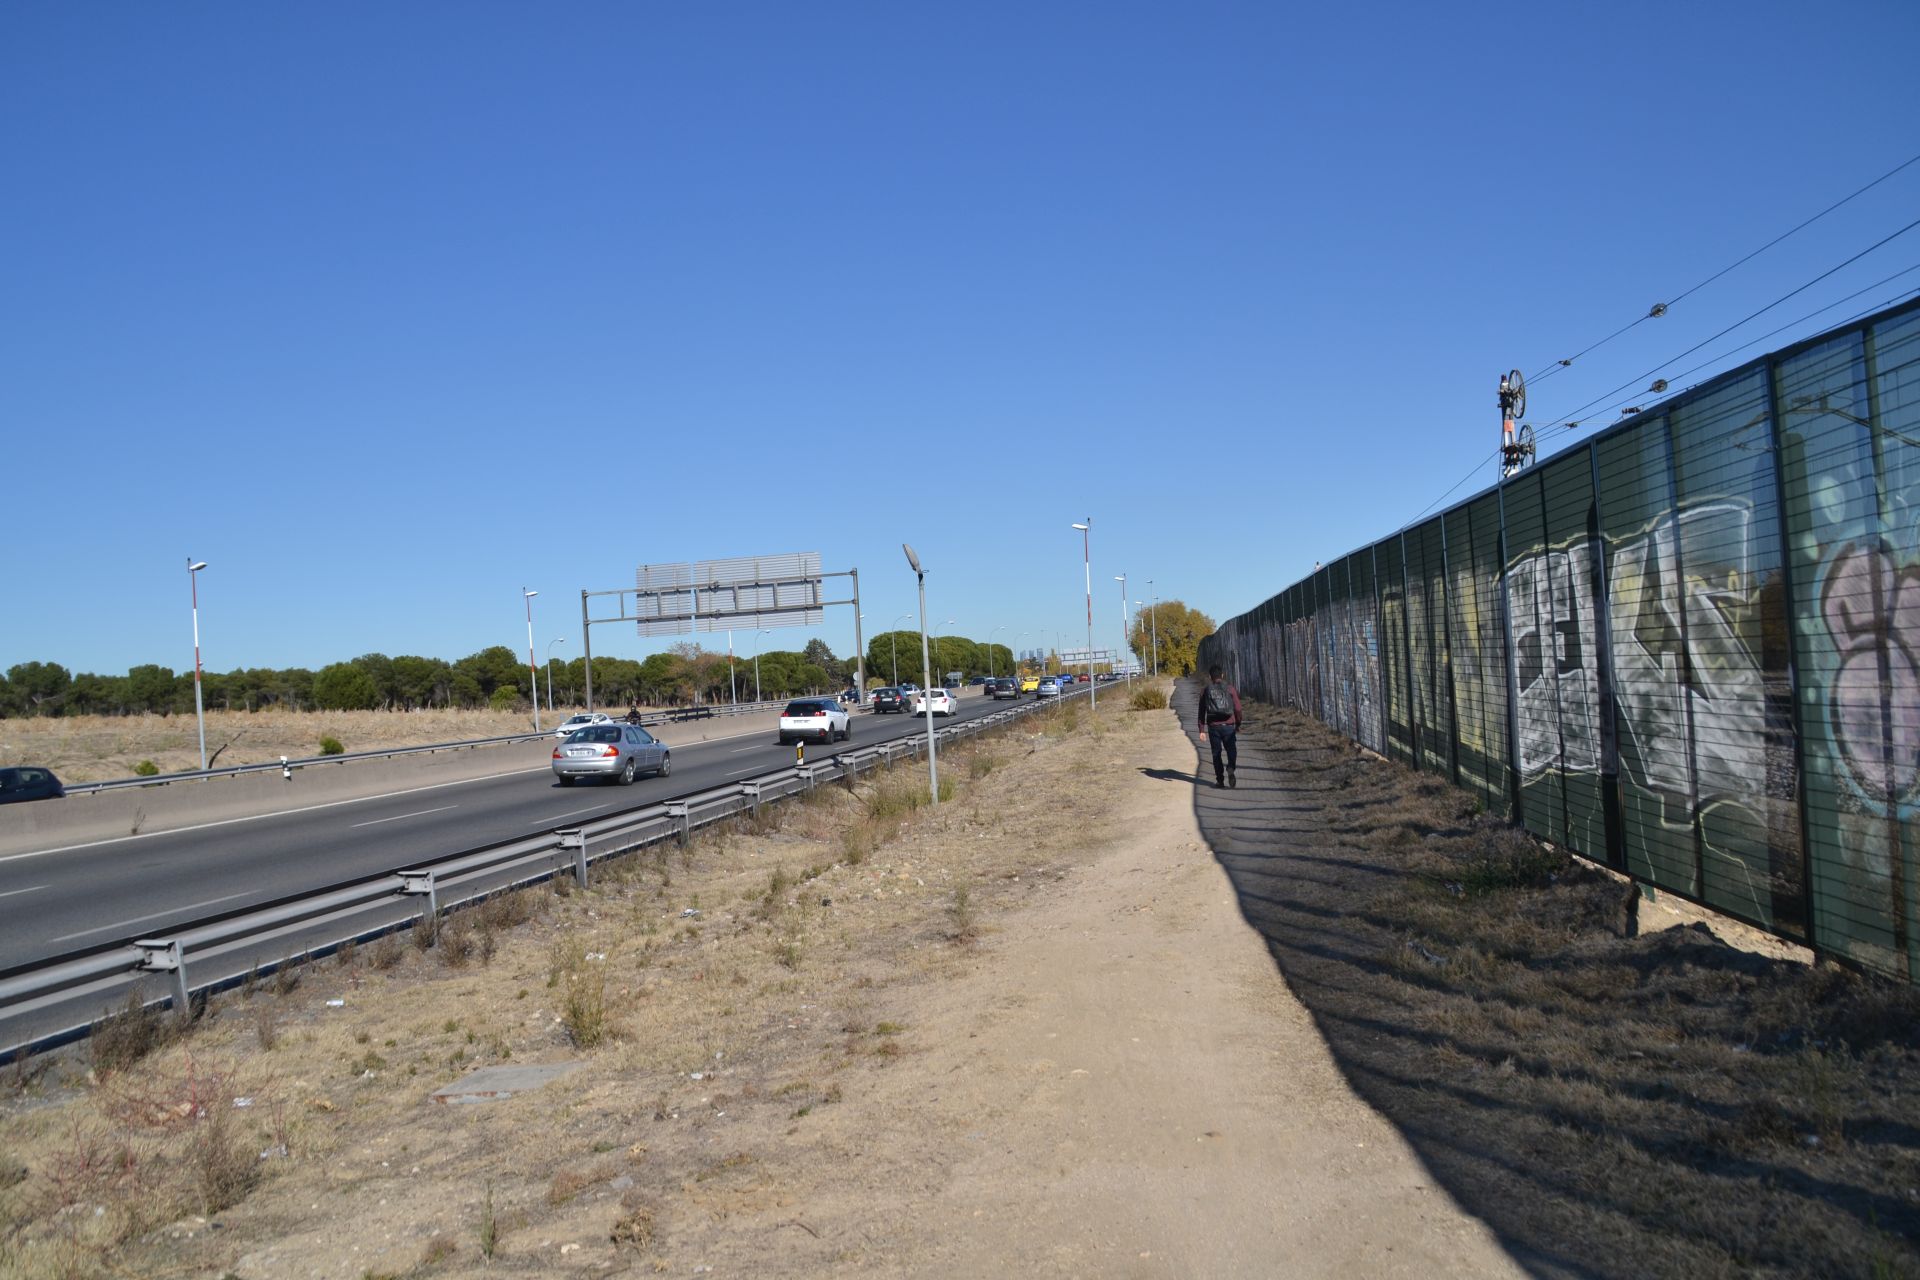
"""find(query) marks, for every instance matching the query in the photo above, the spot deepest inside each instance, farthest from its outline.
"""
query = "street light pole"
(756, 661)
(1086, 546)
(550, 644)
(199, 709)
(990, 635)
(926, 663)
(1121, 578)
(1155, 619)
(533, 671)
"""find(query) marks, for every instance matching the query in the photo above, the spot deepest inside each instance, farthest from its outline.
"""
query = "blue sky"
(388, 310)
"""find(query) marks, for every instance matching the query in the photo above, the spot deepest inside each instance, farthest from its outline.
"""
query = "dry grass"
(1664, 1104)
(686, 981)
(102, 748)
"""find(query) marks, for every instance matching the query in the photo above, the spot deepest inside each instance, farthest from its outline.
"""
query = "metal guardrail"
(425, 890)
(672, 715)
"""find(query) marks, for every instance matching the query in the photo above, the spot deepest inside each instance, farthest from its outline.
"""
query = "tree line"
(498, 677)
(494, 677)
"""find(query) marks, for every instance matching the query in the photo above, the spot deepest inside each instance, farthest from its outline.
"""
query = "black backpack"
(1217, 703)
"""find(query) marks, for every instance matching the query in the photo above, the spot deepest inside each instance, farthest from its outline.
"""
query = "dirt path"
(1134, 1092)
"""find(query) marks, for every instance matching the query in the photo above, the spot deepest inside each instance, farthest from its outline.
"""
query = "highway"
(84, 896)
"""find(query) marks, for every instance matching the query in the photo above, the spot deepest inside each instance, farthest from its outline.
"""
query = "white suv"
(821, 719)
(940, 699)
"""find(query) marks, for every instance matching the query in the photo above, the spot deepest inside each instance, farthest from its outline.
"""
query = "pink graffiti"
(1872, 606)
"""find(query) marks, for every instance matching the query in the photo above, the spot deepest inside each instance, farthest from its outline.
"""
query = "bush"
(330, 746)
(1148, 698)
(505, 698)
(145, 769)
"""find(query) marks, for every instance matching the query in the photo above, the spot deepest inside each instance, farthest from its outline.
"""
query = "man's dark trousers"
(1224, 734)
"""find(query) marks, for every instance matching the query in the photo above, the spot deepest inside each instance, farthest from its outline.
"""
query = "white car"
(585, 720)
(1048, 688)
(941, 700)
(822, 719)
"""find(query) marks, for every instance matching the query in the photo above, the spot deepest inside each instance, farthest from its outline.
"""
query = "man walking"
(1220, 725)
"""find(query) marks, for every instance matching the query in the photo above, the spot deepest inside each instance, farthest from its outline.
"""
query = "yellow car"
(1029, 684)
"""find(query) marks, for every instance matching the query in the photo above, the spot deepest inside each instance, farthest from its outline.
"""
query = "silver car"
(618, 751)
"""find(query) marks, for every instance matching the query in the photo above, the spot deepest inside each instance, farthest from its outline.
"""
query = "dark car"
(1005, 687)
(887, 698)
(29, 783)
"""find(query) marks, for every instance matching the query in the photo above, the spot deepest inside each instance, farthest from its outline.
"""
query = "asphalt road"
(90, 895)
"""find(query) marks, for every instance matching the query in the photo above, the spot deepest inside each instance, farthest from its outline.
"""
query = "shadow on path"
(1572, 1089)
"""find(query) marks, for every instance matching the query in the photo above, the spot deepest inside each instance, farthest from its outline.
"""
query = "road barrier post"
(163, 955)
(420, 884)
(681, 813)
(575, 839)
(751, 790)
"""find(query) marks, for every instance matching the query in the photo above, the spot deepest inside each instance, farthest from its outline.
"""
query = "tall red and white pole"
(199, 708)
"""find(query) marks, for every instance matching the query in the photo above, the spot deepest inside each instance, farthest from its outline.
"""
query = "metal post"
(926, 664)
(1086, 547)
(533, 669)
(733, 686)
(165, 956)
(859, 645)
(1125, 643)
(990, 635)
(550, 644)
(199, 711)
(586, 646)
(1155, 615)
(576, 840)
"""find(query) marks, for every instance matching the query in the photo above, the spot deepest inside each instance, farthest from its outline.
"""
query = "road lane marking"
(30, 889)
(109, 928)
(374, 822)
(752, 768)
(737, 750)
(568, 814)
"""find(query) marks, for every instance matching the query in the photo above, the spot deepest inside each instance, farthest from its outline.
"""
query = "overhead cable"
(1661, 308)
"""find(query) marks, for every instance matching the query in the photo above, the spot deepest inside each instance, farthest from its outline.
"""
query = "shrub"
(505, 698)
(1148, 697)
(145, 769)
(584, 1011)
(330, 746)
(121, 1038)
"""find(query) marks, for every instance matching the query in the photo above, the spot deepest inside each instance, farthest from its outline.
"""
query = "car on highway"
(621, 752)
(1029, 684)
(977, 680)
(822, 719)
(1063, 679)
(29, 782)
(1005, 687)
(585, 720)
(940, 701)
(887, 700)
(1048, 688)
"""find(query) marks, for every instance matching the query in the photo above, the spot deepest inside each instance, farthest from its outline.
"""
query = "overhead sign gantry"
(719, 595)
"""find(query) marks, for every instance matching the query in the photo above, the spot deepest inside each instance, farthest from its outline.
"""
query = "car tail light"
(609, 751)
(556, 753)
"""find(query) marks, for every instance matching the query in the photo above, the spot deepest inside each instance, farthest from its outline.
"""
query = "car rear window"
(598, 733)
(803, 709)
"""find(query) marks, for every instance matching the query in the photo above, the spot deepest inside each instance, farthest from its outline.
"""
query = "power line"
(1575, 415)
(1661, 308)
(1572, 425)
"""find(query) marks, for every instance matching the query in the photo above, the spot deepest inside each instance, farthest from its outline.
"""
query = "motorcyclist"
(633, 713)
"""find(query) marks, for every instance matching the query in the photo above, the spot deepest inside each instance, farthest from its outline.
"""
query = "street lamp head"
(1083, 528)
(195, 566)
(528, 594)
(1119, 577)
(912, 559)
